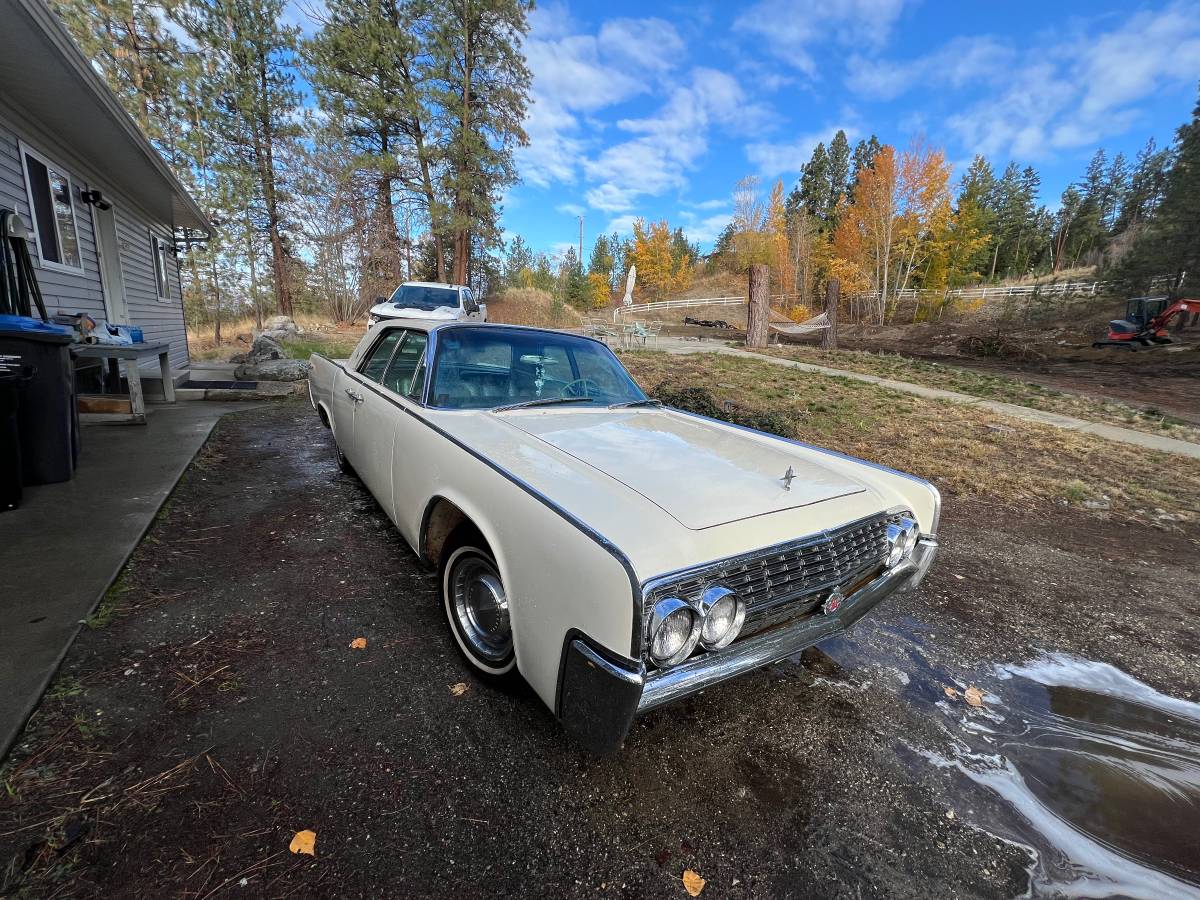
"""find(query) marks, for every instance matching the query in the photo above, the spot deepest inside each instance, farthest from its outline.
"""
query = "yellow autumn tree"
(659, 272)
(777, 240)
(750, 243)
(599, 291)
(923, 213)
(865, 238)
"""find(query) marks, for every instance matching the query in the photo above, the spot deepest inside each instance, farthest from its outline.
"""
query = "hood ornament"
(787, 478)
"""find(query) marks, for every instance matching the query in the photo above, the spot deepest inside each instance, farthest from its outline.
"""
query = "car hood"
(701, 476)
(390, 311)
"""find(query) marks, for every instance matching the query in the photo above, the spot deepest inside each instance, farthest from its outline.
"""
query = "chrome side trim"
(667, 685)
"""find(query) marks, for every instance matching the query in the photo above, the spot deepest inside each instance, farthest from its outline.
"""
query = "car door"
(375, 421)
(405, 379)
(348, 394)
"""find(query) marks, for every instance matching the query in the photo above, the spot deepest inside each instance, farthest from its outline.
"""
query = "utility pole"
(581, 243)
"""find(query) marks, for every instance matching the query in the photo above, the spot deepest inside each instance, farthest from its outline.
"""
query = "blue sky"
(655, 110)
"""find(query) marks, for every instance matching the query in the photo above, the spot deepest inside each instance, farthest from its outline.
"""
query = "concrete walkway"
(67, 542)
(1108, 432)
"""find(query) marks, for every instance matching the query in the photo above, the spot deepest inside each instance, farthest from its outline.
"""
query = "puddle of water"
(1101, 771)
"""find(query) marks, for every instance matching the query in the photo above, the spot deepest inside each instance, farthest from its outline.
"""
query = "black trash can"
(47, 418)
(10, 438)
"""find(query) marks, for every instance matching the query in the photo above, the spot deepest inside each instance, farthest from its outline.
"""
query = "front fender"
(559, 577)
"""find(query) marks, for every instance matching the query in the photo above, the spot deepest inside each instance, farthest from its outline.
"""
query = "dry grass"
(966, 452)
(319, 333)
(992, 387)
(530, 306)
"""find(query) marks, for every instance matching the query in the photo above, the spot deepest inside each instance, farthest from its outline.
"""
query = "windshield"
(415, 296)
(485, 367)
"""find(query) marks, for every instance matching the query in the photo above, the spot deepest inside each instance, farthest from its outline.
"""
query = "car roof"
(448, 324)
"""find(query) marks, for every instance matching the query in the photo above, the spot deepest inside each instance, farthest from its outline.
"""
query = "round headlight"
(902, 540)
(723, 613)
(673, 632)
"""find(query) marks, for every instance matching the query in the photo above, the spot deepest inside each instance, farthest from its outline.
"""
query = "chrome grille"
(786, 574)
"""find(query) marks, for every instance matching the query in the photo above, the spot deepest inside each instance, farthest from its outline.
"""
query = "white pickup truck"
(430, 301)
(616, 553)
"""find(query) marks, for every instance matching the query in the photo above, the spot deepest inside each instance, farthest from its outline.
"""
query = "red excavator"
(1145, 323)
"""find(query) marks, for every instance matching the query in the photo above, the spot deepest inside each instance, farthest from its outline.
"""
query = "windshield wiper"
(629, 404)
(544, 401)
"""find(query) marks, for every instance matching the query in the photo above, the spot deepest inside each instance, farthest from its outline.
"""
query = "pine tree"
(1116, 187)
(862, 159)
(1170, 244)
(131, 43)
(255, 103)
(482, 89)
(814, 182)
(976, 200)
(839, 176)
(366, 71)
(1146, 186)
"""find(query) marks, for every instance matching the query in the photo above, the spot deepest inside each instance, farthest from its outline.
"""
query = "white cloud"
(570, 209)
(788, 158)
(621, 225)
(1063, 92)
(960, 62)
(791, 27)
(703, 230)
(718, 203)
(669, 143)
(581, 73)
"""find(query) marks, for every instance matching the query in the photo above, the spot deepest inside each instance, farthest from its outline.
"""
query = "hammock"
(784, 325)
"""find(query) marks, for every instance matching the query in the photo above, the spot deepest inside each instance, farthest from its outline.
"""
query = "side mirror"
(381, 299)
(470, 305)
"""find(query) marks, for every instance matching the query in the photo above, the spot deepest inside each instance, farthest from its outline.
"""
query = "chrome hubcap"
(481, 608)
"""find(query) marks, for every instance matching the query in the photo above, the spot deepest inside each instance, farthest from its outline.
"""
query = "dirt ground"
(1061, 358)
(216, 708)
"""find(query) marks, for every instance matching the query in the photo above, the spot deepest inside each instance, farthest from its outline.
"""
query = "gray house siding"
(82, 291)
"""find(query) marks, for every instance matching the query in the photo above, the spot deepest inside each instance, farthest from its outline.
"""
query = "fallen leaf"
(358, 644)
(974, 696)
(693, 883)
(304, 842)
(459, 688)
(951, 693)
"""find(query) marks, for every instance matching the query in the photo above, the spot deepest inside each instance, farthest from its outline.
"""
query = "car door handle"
(357, 398)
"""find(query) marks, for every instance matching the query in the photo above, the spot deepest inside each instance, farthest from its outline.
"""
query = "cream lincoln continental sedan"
(617, 553)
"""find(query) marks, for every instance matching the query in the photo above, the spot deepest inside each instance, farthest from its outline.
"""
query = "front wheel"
(477, 612)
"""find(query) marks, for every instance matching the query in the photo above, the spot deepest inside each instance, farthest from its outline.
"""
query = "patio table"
(129, 355)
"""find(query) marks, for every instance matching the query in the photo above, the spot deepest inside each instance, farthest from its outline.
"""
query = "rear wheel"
(476, 607)
(339, 456)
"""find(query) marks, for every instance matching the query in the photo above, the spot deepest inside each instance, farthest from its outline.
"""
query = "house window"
(161, 251)
(51, 201)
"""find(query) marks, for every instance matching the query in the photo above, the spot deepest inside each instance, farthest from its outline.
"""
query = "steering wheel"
(581, 387)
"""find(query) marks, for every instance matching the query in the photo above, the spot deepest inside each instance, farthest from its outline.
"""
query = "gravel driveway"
(216, 708)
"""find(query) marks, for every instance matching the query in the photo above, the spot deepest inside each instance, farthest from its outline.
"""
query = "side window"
(161, 251)
(377, 359)
(417, 389)
(400, 373)
(51, 198)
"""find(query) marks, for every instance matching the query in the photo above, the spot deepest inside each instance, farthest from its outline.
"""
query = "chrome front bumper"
(779, 643)
(600, 696)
